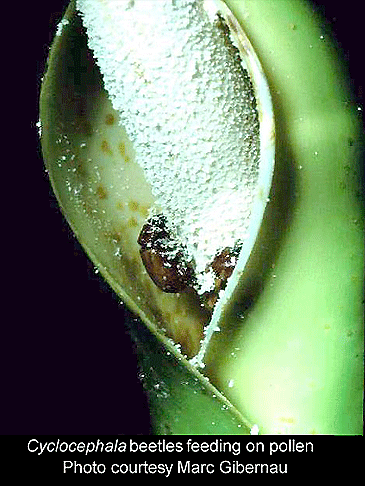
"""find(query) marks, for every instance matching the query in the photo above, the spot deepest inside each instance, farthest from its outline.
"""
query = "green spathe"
(289, 356)
(296, 362)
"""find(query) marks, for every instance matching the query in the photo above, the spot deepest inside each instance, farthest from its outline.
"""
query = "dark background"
(68, 364)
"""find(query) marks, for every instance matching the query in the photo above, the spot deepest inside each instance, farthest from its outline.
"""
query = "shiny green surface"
(299, 368)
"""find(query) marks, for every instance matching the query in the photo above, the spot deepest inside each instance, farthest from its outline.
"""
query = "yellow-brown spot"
(120, 205)
(79, 166)
(109, 119)
(117, 233)
(105, 147)
(133, 205)
(287, 420)
(123, 152)
(132, 223)
(144, 211)
(87, 208)
(116, 236)
(101, 192)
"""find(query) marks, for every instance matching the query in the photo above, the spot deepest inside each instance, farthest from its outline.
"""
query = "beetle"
(163, 257)
(167, 266)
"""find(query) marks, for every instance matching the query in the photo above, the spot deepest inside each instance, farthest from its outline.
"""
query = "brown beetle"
(222, 266)
(162, 257)
(224, 263)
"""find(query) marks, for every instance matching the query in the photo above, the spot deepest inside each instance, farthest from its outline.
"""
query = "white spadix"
(193, 99)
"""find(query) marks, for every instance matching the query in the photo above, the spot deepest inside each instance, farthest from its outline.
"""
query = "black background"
(68, 364)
